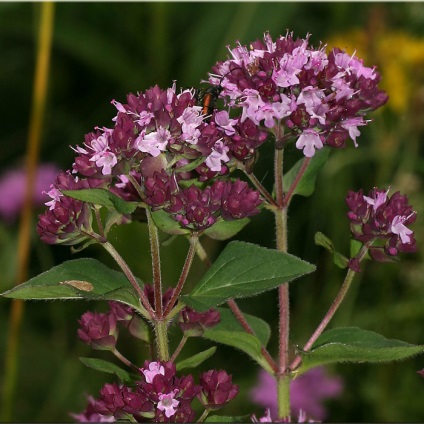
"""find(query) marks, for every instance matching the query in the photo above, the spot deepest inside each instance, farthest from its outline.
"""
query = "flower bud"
(217, 389)
(98, 330)
(193, 323)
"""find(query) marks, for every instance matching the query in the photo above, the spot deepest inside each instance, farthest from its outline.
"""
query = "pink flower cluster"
(288, 86)
(160, 396)
(180, 161)
(382, 222)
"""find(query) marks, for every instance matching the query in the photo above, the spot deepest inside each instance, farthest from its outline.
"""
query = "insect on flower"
(207, 97)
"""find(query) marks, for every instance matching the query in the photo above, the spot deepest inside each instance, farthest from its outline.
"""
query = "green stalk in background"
(45, 32)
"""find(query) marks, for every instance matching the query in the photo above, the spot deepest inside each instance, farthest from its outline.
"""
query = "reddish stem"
(184, 273)
(297, 179)
(242, 320)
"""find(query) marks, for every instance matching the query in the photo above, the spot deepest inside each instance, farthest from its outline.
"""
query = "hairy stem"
(184, 273)
(149, 313)
(161, 329)
(297, 179)
(179, 348)
(258, 185)
(331, 311)
(283, 378)
(155, 252)
(242, 320)
(124, 360)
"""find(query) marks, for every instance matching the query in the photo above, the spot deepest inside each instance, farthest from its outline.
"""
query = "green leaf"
(106, 366)
(191, 165)
(223, 230)
(166, 224)
(241, 340)
(306, 185)
(226, 419)
(352, 344)
(102, 197)
(244, 269)
(340, 260)
(195, 360)
(229, 323)
(84, 278)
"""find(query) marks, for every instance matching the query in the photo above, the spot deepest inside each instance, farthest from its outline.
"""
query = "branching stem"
(331, 311)
(149, 312)
(184, 273)
(155, 252)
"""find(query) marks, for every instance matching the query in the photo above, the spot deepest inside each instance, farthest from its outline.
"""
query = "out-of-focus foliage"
(102, 51)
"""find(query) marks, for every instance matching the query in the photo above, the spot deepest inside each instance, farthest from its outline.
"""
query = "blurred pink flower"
(308, 392)
(12, 189)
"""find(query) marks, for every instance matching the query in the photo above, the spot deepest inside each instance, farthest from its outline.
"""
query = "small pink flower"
(380, 198)
(155, 368)
(218, 155)
(167, 403)
(400, 229)
(106, 160)
(309, 141)
(55, 194)
(265, 419)
(352, 125)
(154, 142)
(223, 120)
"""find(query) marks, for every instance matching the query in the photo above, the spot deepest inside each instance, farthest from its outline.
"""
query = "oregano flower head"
(382, 221)
(286, 85)
(67, 221)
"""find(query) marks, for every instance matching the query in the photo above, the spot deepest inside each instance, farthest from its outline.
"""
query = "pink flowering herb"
(290, 83)
(381, 222)
(155, 368)
(167, 403)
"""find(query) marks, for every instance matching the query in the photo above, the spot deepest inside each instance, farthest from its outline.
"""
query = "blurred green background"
(102, 51)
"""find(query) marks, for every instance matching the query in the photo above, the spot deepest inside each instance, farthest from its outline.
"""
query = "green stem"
(39, 95)
(331, 311)
(155, 252)
(283, 394)
(184, 273)
(147, 312)
(136, 185)
(161, 328)
(201, 253)
(203, 416)
(99, 222)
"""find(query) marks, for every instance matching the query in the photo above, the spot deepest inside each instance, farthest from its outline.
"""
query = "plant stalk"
(124, 360)
(161, 328)
(331, 311)
(179, 348)
(283, 378)
(243, 322)
(155, 252)
(148, 313)
(184, 273)
(39, 95)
